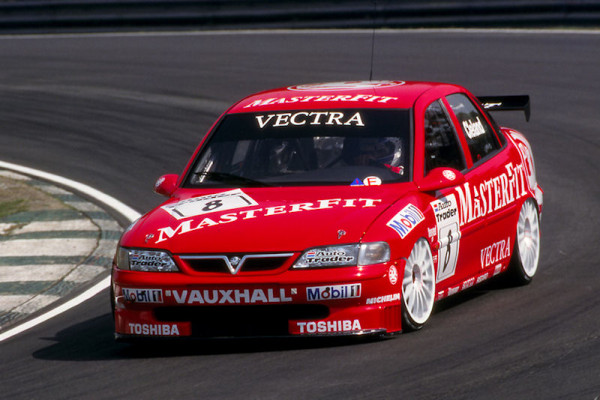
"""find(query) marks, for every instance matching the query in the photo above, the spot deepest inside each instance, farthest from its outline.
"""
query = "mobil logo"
(405, 221)
(333, 292)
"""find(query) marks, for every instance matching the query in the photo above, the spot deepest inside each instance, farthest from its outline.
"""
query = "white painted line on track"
(88, 294)
(103, 198)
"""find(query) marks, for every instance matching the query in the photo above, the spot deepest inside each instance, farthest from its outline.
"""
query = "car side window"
(480, 136)
(442, 148)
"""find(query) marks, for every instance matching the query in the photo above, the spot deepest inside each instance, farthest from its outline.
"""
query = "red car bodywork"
(284, 221)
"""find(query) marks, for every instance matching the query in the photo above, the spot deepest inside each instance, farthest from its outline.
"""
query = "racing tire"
(418, 287)
(526, 251)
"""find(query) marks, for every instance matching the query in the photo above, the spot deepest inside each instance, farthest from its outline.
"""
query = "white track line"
(103, 198)
(88, 294)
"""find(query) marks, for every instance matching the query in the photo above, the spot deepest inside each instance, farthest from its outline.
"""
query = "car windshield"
(318, 147)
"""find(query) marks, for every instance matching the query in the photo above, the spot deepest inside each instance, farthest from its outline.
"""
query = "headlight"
(145, 260)
(344, 256)
(373, 253)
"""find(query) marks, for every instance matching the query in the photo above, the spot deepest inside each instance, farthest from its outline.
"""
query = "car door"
(443, 149)
(483, 199)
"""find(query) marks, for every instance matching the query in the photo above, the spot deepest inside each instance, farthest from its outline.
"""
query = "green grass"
(12, 207)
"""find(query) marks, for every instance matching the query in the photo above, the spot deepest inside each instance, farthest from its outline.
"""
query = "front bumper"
(332, 302)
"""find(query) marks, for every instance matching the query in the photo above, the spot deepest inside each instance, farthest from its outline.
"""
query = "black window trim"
(460, 146)
(495, 129)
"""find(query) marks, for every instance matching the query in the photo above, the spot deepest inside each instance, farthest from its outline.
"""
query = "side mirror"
(441, 178)
(166, 184)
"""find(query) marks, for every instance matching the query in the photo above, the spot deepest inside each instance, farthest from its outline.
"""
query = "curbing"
(51, 253)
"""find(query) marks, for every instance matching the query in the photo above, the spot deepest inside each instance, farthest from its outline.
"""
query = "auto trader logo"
(334, 292)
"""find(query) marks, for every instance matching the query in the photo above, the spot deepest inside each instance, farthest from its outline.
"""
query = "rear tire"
(418, 287)
(526, 252)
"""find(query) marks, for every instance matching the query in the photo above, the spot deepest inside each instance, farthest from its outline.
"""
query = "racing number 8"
(212, 205)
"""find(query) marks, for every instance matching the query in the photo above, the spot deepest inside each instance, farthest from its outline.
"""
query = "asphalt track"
(115, 112)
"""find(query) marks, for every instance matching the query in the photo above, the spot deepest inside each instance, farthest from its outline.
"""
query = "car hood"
(262, 219)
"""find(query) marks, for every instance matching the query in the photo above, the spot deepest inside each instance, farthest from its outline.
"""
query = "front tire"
(418, 287)
(526, 252)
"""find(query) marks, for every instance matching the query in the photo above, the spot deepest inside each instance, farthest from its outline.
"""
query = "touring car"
(342, 208)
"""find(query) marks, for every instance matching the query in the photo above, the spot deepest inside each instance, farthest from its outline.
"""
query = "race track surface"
(115, 112)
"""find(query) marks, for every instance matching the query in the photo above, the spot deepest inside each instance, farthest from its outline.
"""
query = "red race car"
(341, 208)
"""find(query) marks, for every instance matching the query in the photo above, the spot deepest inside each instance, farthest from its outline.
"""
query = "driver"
(375, 152)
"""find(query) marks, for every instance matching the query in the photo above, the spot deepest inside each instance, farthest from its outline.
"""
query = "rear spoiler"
(506, 103)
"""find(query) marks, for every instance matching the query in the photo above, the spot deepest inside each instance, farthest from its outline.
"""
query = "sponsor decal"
(445, 210)
(468, 283)
(195, 206)
(384, 299)
(431, 232)
(348, 85)
(153, 329)
(302, 118)
(473, 129)
(491, 105)
(230, 296)
(477, 201)
(143, 295)
(404, 222)
(372, 181)
(448, 174)
(497, 269)
(333, 292)
(368, 98)
(329, 326)
(190, 225)
(526, 156)
(393, 275)
(453, 290)
(495, 252)
(482, 278)
(148, 259)
(321, 256)
(368, 181)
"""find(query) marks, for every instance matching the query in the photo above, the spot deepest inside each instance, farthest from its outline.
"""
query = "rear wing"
(506, 103)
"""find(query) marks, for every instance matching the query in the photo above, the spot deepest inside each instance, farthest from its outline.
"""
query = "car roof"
(332, 95)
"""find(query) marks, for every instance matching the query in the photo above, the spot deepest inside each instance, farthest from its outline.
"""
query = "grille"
(234, 263)
(241, 321)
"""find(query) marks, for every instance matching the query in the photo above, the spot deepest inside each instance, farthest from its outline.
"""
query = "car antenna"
(373, 39)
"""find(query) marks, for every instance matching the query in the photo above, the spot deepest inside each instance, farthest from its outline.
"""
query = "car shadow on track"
(497, 283)
(93, 339)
